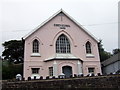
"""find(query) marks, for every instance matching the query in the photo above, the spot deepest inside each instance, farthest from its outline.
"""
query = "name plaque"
(61, 26)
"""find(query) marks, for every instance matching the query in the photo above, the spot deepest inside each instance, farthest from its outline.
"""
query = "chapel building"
(58, 46)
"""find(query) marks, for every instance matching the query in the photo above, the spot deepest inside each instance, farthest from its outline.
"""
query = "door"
(67, 70)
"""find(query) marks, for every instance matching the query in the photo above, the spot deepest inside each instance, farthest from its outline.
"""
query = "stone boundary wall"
(110, 82)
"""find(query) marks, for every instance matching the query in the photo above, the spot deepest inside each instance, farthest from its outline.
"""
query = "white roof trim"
(34, 30)
(62, 56)
(61, 10)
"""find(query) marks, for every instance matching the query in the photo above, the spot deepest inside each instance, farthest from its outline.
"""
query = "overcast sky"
(100, 17)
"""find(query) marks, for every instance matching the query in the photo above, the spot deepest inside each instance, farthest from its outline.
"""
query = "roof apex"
(61, 10)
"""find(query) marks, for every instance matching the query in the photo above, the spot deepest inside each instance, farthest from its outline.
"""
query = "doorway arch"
(67, 70)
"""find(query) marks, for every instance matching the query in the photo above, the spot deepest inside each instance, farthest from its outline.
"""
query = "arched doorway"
(67, 70)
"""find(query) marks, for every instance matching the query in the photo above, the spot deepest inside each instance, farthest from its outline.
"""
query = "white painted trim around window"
(90, 56)
(35, 55)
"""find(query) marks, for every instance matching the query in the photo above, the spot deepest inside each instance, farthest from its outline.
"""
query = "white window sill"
(65, 56)
(35, 75)
(90, 56)
(35, 55)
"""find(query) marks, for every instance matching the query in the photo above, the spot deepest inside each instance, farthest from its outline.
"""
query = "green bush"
(11, 70)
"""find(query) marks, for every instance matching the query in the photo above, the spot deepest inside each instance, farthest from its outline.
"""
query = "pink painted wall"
(47, 36)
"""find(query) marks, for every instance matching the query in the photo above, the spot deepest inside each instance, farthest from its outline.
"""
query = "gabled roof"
(61, 10)
(111, 60)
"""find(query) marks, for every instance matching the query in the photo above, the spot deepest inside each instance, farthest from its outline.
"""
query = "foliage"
(103, 54)
(13, 54)
(10, 70)
(14, 51)
(0, 68)
(115, 51)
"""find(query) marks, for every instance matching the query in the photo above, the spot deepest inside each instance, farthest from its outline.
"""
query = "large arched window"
(62, 44)
(88, 48)
(35, 46)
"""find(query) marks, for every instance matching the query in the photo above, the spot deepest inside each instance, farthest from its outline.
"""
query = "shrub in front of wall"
(41, 77)
(75, 76)
(53, 77)
(47, 77)
(29, 78)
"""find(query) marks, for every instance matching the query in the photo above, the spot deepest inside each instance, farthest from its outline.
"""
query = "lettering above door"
(61, 26)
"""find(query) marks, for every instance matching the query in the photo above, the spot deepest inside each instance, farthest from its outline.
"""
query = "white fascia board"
(84, 29)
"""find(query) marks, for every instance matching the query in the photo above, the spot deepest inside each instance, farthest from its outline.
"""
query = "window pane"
(51, 71)
(35, 46)
(35, 70)
(90, 70)
(88, 47)
(62, 44)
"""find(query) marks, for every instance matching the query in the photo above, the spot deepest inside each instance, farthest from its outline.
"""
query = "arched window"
(88, 48)
(62, 44)
(35, 46)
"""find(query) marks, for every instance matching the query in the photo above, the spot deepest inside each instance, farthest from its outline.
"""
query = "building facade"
(60, 45)
(111, 65)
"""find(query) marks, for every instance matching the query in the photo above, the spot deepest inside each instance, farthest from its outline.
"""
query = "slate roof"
(111, 60)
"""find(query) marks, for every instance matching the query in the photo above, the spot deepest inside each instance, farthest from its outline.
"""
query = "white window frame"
(92, 68)
(36, 70)
(50, 71)
(63, 45)
(88, 48)
(35, 48)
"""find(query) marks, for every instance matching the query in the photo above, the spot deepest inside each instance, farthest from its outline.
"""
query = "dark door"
(67, 70)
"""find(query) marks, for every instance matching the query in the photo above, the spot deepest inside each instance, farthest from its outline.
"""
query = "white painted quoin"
(60, 45)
